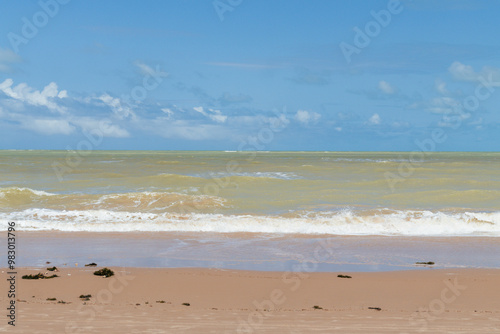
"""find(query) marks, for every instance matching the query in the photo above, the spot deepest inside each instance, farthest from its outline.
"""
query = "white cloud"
(214, 115)
(462, 72)
(186, 129)
(168, 111)
(444, 105)
(450, 108)
(112, 130)
(121, 110)
(375, 119)
(179, 108)
(20, 97)
(489, 76)
(49, 126)
(451, 120)
(47, 97)
(279, 121)
(148, 70)
(304, 116)
(338, 129)
(441, 87)
(8, 57)
(219, 118)
(200, 110)
(477, 124)
(385, 87)
(103, 127)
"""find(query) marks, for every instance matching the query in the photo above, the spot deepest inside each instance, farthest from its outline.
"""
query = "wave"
(14, 198)
(255, 175)
(15, 191)
(157, 201)
(334, 159)
(343, 222)
(221, 179)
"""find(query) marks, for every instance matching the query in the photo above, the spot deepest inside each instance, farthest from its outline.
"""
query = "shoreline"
(238, 301)
(260, 252)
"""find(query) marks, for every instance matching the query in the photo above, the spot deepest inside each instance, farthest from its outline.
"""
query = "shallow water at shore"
(254, 251)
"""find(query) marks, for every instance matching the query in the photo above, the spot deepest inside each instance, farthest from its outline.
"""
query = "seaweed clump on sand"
(85, 297)
(91, 264)
(430, 263)
(344, 276)
(316, 307)
(106, 272)
(375, 308)
(53, 269)
(38, 276)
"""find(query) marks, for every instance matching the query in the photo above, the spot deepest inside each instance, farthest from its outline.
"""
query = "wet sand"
(150, 300)
(245, 251)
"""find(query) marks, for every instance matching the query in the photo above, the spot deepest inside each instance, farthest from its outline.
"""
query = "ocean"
(278, 193)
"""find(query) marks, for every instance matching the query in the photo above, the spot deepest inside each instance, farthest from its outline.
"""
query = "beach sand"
(150, 300)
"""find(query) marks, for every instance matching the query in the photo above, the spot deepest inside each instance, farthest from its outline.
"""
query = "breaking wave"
(343, 222)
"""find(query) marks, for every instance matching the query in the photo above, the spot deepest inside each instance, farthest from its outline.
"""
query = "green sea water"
(452, 193)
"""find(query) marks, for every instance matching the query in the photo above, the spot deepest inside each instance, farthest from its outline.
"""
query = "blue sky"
(241, 74)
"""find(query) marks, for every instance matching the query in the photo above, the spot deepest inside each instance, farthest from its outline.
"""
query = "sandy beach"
(231, 166)
(153, 300)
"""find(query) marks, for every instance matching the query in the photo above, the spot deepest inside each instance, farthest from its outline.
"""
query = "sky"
(319, 75)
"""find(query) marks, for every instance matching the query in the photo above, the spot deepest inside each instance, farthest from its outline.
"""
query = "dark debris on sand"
(106, 272)
(38, 276)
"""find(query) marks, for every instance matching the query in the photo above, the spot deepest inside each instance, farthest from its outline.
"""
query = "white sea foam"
(393, 222)
(271, 175)
(155, 201)
(16, 190)
(333, 159)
